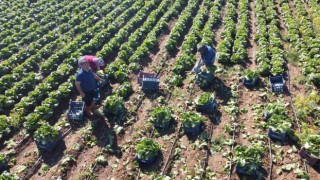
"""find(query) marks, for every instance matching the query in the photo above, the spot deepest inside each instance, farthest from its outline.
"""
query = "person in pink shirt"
(96, 64)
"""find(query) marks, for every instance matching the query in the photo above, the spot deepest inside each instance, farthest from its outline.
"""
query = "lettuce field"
(255, 114)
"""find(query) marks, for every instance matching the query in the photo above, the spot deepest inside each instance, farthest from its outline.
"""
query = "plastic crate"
(249, 82)
(49, 147)
(150, 84)
(142, 75)
(244, 171)
(146, 161)
(305, 155)
(203, 79)
(192, 130)
(104, 84)
(282, 137)
(208, 107)
(75, 111)
(277, 83)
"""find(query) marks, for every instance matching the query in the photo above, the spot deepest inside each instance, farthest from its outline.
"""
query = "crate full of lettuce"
(206, 102)
(250, 78)
(161, 117)
(248, 160)
(47, 137)
(191, 122)
(205, 76)
(147, 151)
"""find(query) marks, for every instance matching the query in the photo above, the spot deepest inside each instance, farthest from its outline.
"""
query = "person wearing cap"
(96, 64)
(86, 84)
(207, 57)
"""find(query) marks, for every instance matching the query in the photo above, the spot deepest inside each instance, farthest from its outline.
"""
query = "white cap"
(99, 61)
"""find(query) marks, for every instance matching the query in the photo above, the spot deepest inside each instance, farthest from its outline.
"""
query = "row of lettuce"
(50, 86)
(45, 110)
(11, 83)
(54, 16)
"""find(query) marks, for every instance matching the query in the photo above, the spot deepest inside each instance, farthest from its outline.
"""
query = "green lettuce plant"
(191, 119)
(147, 148)
(46, 134)
(161, 116)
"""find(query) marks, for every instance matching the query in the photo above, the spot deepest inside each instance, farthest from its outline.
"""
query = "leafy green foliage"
(248, 157)
(147, 148)
(191, 119)
(2, 159)
(45, 134)
(161, 115)
(7, 176)
(124, 90)
(249, 74)
(310, 140)
(308, 105)
(114, 105)
(4, 126)
(205, 98)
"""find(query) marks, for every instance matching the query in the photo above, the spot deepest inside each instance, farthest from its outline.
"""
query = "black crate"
(104, 84)
(49, 147)
(150, 84)
(149, 161)
(243, 171)
(206, 108)
(304, 154)
(192, 130)
(250, 82)
(75, 111)
(282, 137)
(277, 83)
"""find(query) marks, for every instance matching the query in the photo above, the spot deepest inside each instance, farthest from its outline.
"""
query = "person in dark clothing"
(207, 57)
(85, 84)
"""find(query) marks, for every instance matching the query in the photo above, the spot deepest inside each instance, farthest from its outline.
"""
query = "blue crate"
(49, 147)
(277, 83)
(208, 107)
(150, 84)
(146, 161)
(282, 137)
(249, 82)
(75, 111)
(192, 130)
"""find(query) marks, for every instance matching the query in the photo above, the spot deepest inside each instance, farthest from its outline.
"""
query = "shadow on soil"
(223, 92)
(170, 130)
(52, 158)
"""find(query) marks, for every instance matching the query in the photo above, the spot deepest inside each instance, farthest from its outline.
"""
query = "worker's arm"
(96, 77)
(79, 89)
